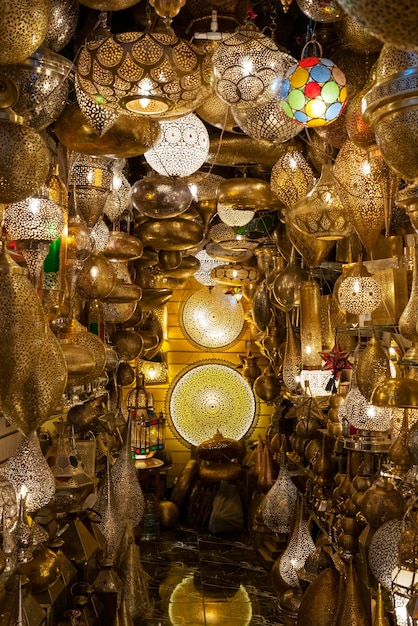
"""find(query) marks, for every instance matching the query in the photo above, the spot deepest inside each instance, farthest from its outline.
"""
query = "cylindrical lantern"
(310, 327)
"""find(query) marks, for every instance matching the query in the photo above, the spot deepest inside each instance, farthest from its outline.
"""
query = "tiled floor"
(198, 579)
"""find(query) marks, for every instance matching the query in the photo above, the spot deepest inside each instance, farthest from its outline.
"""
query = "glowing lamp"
(314, 92)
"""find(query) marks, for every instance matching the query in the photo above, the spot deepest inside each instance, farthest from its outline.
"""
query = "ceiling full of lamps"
(223, 141)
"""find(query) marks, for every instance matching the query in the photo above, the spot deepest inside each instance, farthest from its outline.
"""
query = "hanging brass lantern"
(321, 213)
(291, 177)
(151, 73)
(23, 26)
(372, 367)
(365, 191)
(43, 82)
(182, 148)
(24, 160)
(27, 407)
(62, 24)
(97, 277)
(90, 179)
(247, 65)
(19, 340)
(358, 292)
(397, 29)
(286, 285)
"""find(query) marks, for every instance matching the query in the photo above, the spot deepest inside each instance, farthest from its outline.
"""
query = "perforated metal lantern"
(35, 221)
(182, 148)
(397, 28)
(24, 159)
(207, 263)
(62, 23)
(90, 179)
(235, 274)
(291, 177)
(150, 73)
(23, 26)
(321, 213)
(358, 292)
(23, 329)
(43, 81)
(247, 67)
(268, 121)
(365, 416)
(27, 467)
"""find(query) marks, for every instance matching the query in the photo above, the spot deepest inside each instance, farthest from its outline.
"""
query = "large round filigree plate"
(208, 396)
(212, 319)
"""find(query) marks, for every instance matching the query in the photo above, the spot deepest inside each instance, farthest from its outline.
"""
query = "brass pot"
(219, 448)
(124, 292)
(154, 298)
(79, 359)
(123, 247)
(382, 502)
(128, 344)
(188, 267)
(43, 570)
(253, 193)
(128, 137)
(175, 233)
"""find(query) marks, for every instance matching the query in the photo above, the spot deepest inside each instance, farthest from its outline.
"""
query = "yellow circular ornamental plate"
(208, 396)
(211, 319)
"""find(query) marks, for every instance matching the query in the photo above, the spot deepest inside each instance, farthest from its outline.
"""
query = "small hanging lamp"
(314, 92)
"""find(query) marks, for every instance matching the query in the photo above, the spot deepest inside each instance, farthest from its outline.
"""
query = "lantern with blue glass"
(314, 92)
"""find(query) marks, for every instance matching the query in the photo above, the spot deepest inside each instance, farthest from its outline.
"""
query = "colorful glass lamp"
(314, 92)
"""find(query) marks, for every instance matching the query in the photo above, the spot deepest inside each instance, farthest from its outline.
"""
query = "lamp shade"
(247, 67)
(212, 319)
(314, 92)
(182, 148)
(150, 73)
(396, 392)
(23, 26)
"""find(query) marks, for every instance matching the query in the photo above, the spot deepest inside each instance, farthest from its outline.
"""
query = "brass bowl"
(231, 150)
(43, 570)
(123, 247)
(154, 298)
(79, 359)
(174, 233)
(242, 193)
(188, 267)
(124, 292)
(128, 137)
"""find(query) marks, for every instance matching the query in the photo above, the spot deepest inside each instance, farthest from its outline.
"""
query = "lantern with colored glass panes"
(314, 92)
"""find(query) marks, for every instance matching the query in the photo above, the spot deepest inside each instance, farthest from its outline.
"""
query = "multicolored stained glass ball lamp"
(314, 92)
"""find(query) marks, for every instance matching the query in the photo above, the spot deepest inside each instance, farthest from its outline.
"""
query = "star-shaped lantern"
(335, 360)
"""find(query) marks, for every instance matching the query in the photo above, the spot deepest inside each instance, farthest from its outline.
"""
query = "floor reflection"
(197, 579)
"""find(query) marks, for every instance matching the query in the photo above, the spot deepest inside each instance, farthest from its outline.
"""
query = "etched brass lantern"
(359, 293)
(35, 222)
(321, 213)
(396, 28)
(23, 26)
(43, 81)
(247, 67)
(291, 177)
(150, 73)
(24, 159)
(182, 148)
(91, 180)
(62, 24)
